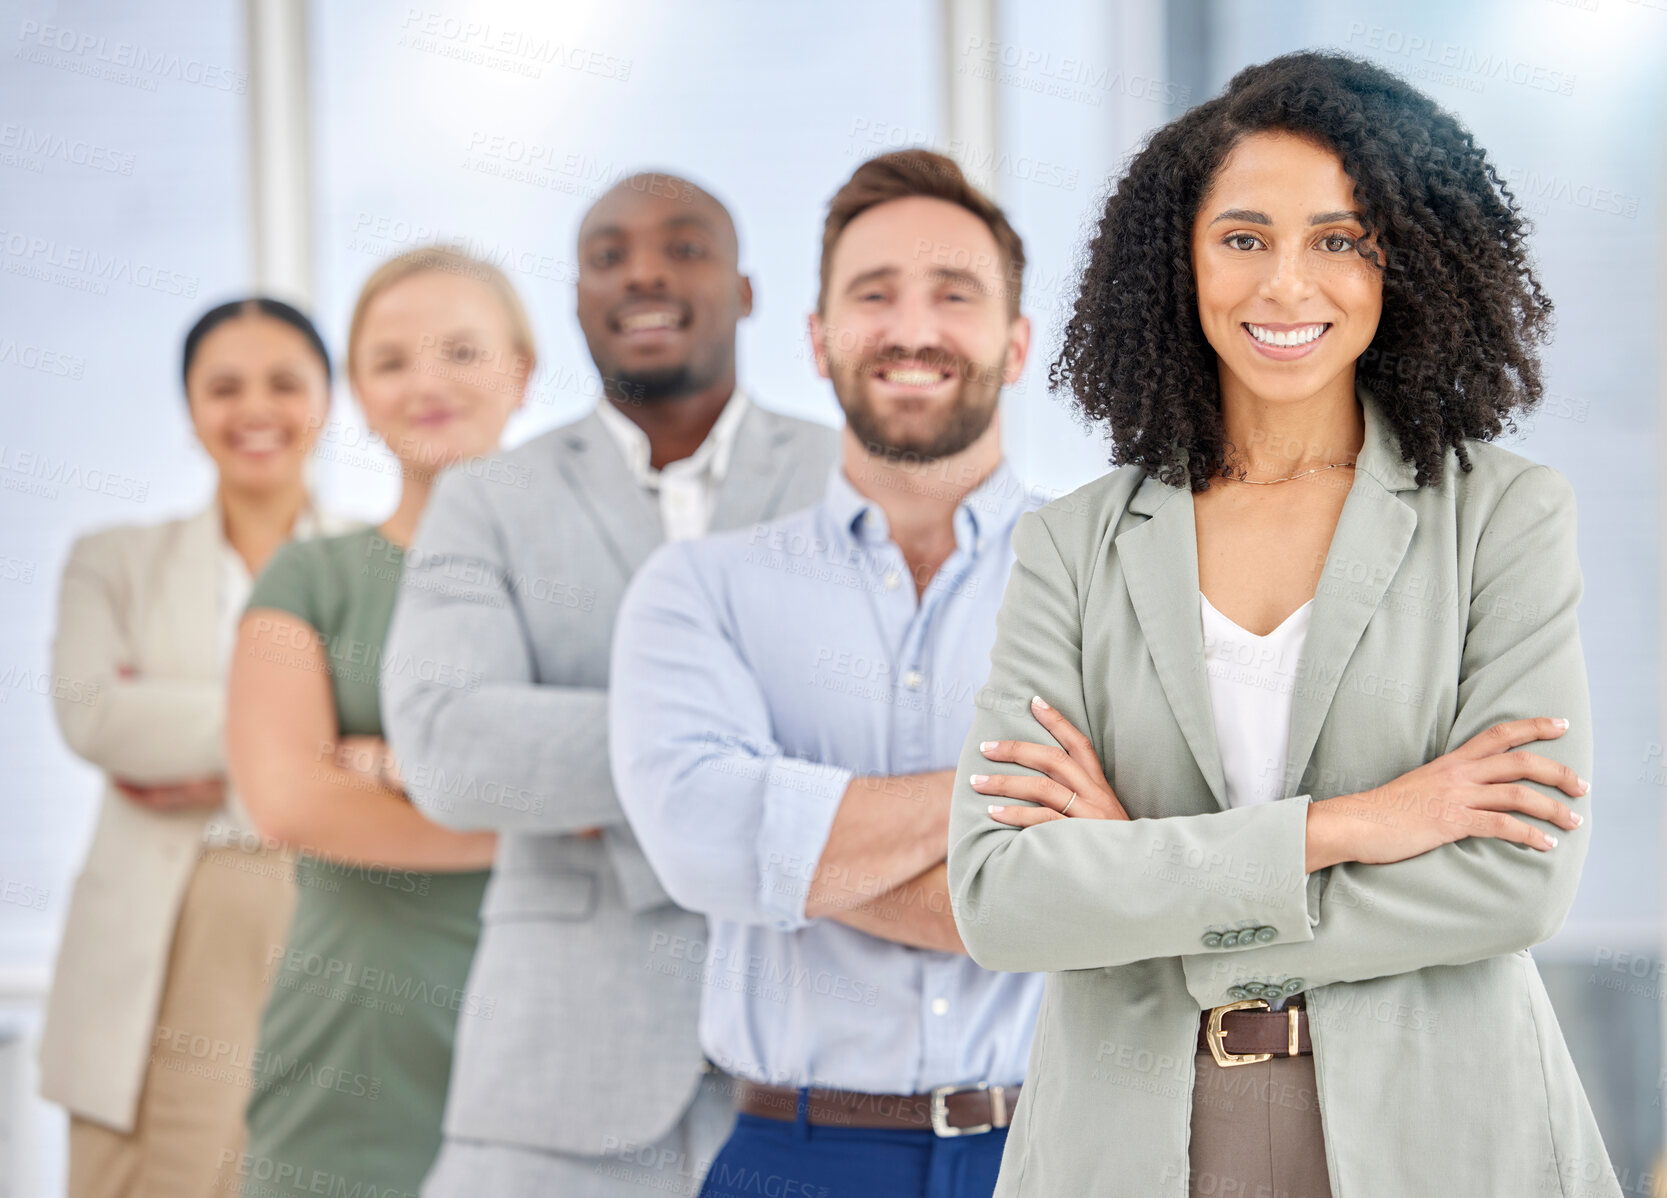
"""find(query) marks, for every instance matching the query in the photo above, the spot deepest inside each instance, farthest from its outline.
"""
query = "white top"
(688, 487)
(1251, 682)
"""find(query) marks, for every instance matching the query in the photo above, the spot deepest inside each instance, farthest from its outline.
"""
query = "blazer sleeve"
(1079, 894)
(734, 826)
(503, 751)
(150, 731)
(1479, 897)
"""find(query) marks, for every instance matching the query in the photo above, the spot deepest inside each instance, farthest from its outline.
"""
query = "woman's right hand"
(1467, 792)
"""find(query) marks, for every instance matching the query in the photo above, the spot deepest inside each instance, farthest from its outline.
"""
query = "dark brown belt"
(1250, 1032)
(946, 1111)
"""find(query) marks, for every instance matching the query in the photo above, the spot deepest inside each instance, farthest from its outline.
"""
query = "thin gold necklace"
(1268, 482)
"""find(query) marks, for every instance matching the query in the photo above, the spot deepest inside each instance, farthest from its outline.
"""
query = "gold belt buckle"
(1216, 1035)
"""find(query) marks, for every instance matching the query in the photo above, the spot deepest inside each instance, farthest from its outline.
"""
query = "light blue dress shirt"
(754, 674)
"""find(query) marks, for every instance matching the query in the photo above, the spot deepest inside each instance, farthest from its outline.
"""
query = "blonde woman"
(159, 979)
(355, 1043)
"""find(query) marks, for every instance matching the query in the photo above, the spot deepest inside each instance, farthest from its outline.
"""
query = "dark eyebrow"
(1261, 218)
(1244, 214)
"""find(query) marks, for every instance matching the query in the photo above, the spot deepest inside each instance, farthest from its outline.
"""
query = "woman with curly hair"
(1306, 676)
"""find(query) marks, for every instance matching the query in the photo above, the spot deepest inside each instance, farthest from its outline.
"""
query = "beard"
(962, 421)
(655, 386)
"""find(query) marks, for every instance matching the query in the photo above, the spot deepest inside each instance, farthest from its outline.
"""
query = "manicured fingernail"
(1560, 722)
(1584, 785)
(979, 779)
(1039, 701)
(1553, 841)
(986, 746)
(1577, 817)
(994, 810)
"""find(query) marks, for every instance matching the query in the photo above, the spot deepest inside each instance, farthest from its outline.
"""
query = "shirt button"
(940, 1006)
(913, 679)
(893, 578)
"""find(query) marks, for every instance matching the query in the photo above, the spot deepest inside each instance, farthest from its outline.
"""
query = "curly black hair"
(1454, 355)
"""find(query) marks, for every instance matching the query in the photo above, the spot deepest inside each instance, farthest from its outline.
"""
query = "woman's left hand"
(1070, 767)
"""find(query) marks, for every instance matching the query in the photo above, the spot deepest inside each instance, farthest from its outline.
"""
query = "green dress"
(356, 1038)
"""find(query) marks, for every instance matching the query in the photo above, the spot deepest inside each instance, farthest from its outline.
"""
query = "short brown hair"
(905, 173)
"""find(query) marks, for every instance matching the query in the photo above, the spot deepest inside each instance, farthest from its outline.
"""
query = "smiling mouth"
(652, 321)
(1292, 338)
(259, 440)
(913, 375)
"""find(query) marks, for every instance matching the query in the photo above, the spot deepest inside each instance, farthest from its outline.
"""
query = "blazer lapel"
(600, 480)
(1160, 566)
(1372, 536)
(759, 470)
(1160, 569)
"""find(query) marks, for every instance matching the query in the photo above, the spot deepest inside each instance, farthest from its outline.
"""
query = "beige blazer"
(1442, 611)
(146, 597)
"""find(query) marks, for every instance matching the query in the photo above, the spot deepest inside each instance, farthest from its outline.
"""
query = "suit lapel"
(1371, 539)
(1160, 566)
(759, 467)
(600, 480)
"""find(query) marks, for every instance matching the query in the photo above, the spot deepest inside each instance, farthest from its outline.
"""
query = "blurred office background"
(156, 159)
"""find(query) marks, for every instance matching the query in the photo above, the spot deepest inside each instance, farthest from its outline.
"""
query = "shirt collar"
(712, 456)
(989, 507)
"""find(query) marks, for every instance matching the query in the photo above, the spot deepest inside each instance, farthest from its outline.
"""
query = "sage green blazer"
(1442, 610)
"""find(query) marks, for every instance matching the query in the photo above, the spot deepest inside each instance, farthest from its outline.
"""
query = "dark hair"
(1454, 353)
(258, 305)
(904, 173)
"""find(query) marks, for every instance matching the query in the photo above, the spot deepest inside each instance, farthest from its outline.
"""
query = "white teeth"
(258, 440)
(1300, 336)
(649, 320)
(912, 378)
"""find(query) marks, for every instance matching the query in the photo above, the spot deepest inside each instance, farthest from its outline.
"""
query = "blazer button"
(1229, 939)
(1212, 939)
(1265, 934)
(1291, 987)
(1236, 993)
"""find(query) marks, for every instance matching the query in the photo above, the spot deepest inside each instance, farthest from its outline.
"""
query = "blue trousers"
(800, 1160)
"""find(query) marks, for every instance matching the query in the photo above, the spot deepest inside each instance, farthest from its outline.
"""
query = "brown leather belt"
(1249, 1034)
(945, 1111)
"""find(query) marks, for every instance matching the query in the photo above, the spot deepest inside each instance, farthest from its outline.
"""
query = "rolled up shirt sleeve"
(734, 826)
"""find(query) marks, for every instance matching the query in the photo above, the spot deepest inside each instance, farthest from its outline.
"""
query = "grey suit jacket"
(1442, 611)
(495, 700)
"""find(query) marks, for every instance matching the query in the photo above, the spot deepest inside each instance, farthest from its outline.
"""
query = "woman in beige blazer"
(176, 914)
(1279, 771)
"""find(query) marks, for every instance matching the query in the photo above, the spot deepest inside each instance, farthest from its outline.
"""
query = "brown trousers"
(1256, 1131)
(234, 919)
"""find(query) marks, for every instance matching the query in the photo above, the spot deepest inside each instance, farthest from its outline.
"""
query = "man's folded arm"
(480, 742)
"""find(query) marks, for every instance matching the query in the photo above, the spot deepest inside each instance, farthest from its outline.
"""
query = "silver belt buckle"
(940, 1109)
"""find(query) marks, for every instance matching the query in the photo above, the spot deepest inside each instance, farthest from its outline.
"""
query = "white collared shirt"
(687, 489)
